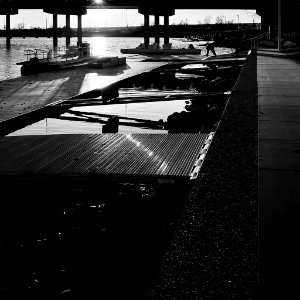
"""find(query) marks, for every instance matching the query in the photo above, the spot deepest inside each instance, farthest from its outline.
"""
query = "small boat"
(107, 61)
(155, 49)
(45, 60)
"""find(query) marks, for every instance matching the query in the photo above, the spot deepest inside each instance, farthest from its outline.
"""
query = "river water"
(100, 46)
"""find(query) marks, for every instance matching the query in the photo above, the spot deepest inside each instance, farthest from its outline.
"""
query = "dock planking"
(102, 156)
(24, 94)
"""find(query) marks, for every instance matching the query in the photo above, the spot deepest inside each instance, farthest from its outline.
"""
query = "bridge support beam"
(7, 12)
(157, 12)
(156, 22)
(279, 25)
(68, 31)
(8, 34)
(67, 11)
(55, 42)
(146, 30)
(79, 29)
(166, 30)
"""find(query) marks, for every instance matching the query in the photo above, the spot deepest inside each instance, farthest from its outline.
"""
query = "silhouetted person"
(210, 47)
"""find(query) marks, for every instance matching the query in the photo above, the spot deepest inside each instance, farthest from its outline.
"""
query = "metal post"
(68, 30)
(79, 32)
(146, 30)
(55, 30)
(156, 29)
(7, 30)
(166, 29)
(279, 25)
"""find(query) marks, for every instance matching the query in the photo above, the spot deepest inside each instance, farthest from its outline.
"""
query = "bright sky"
(130, 17)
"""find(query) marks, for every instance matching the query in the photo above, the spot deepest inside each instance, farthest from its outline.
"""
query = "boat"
(157, 50)
(45, 60)
(107, 62)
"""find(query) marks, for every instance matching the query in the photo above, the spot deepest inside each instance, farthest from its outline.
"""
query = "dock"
(28, 93)
(237, 235)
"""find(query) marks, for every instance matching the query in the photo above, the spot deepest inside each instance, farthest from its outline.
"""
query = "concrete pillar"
(55, 30)
(166, 30)
(68, 31)
(156, 18)
(8, 30)
(146, 29)
(279, 25)
(79, 30)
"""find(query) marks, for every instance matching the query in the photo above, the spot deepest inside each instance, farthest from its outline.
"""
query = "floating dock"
(113, 157)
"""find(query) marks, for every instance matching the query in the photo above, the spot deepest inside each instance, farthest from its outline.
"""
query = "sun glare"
(98, 1)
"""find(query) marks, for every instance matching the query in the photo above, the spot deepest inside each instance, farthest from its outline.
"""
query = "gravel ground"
(213, 254)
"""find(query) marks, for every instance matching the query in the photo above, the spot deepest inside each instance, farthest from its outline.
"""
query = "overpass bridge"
(154, 7)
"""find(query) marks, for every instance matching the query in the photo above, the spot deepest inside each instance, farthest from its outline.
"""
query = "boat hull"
(161, 51)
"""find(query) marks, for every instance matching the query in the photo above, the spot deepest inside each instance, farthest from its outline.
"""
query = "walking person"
(210, 46)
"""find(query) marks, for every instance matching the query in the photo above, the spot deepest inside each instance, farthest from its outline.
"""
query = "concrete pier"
(146, 30)
(79, 30)
(157, 12)
(68, 31)
(7, 12)
(156, 39)
(55, 36)
(8, 37)
(166, 29)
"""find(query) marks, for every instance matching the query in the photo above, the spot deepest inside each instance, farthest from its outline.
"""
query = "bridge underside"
(117, 4)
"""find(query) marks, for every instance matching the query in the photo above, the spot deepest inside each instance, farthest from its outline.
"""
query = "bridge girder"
(117, 4)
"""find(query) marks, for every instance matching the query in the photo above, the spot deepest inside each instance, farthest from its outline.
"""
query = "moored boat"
(44, 60)
(156, 49)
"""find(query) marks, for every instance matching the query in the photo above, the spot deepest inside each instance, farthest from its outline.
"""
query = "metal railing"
(59, 53)
(259, 39)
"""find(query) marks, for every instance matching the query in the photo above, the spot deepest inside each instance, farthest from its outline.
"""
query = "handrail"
(259, 39)
(62, 52)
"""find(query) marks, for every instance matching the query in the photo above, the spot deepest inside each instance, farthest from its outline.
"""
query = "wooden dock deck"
(123, 157)
(27, 93)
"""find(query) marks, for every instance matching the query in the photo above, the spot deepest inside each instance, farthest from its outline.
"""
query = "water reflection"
(99, 46)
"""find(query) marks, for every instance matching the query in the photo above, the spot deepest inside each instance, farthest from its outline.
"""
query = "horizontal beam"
(8, 11)
(65, 11)
(133, 4)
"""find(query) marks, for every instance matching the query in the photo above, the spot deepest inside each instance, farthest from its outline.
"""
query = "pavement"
(278, 76)
(238, 237)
